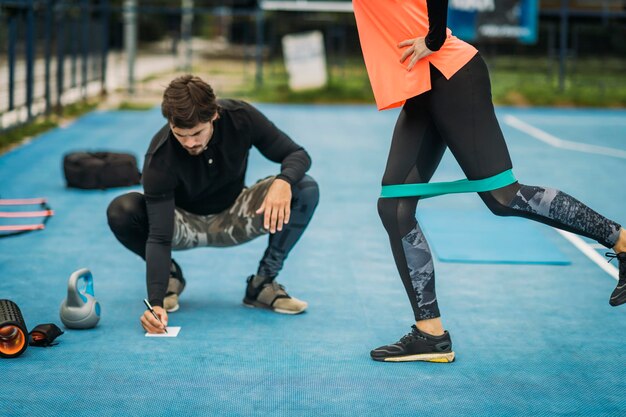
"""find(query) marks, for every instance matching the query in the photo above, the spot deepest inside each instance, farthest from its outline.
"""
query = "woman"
(443, 85)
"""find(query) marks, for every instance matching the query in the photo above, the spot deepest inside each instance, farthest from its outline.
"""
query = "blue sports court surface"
(527, 309)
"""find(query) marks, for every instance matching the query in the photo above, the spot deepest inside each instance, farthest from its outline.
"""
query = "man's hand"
(151, 324)
(417, 50)
(276, 206)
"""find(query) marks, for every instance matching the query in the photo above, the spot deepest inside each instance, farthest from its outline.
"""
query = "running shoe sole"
(255, 304)
(447, 357)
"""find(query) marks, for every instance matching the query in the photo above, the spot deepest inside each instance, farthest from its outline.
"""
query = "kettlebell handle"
(74, 296)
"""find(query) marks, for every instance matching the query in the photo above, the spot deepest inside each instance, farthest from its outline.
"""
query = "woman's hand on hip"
(417, 50)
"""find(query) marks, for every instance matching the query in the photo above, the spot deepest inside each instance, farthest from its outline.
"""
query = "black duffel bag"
(100, 170)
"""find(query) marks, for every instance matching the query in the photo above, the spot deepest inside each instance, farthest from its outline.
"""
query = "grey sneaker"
(175, 287)
(272, 296)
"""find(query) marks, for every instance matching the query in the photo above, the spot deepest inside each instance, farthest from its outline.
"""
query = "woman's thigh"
(463, 112)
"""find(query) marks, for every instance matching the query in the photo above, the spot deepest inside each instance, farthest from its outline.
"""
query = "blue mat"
(478, 236)
(530, 340)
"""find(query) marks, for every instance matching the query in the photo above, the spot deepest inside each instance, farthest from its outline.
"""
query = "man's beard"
(195, 151)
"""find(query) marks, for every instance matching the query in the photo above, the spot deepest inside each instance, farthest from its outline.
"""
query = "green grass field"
(43, 123)
(515, 81)
(535, 82)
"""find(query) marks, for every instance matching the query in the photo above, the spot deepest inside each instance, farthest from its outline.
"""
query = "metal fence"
(51, 52)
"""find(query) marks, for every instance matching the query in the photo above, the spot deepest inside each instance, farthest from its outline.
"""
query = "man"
(194, 195)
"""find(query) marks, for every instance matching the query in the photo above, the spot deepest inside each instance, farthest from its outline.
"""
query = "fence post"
(60, 54)
(106, 10)
(74, 37)
(260, 42)
(30, 56)
(48, 50)
(85, 17)
(563, 43)
(11, 53)
(186, 33)
(130, 40)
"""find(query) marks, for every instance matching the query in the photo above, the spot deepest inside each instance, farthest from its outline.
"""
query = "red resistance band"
(16, 229)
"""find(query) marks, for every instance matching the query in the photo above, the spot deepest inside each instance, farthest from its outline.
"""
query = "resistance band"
(433, 189)
(16, 229)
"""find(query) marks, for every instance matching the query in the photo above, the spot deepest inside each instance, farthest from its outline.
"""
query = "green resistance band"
(434, 189)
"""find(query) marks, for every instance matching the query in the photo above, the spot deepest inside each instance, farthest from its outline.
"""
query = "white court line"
(590, 252)
(596, 245)
(552, 140)
(561, 143)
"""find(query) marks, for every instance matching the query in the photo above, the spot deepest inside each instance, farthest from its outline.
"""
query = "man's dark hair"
(188, 101)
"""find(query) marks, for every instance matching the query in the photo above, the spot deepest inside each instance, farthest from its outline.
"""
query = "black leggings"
(128, 219)
(458, 113)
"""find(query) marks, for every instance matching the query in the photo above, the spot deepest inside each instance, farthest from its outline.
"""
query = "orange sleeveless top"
(382, 24)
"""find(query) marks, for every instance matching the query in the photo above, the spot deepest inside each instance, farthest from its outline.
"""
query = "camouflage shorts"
(233, 226)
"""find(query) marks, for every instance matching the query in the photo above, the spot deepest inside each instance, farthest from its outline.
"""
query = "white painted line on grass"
(591, 253)
(561, 143)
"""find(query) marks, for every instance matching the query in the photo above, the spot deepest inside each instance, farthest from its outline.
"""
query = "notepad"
(171, 332)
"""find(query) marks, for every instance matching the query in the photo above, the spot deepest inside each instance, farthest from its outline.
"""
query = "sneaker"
(619, 293)
(271, 295)
(417, 346)
(175, 287)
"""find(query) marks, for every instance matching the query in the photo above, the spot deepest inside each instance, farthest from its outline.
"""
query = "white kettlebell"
(80, 310)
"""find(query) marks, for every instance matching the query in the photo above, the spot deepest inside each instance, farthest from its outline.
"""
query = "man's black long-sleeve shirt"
(207, 183)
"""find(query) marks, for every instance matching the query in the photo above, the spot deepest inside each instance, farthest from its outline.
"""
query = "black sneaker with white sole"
(618, 296)
(417, 346)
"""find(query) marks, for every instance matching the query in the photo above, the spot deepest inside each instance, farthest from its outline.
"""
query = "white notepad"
(171, 332)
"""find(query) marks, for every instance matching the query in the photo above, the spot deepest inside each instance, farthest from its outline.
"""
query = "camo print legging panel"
(558, 209)
(237, 225)
(240, 224)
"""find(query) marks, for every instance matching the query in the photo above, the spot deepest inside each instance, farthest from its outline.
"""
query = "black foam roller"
(13, 333)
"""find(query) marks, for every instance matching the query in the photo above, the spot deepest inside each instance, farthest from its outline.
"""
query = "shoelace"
(622, 266)
(611, 256)
(411, 337)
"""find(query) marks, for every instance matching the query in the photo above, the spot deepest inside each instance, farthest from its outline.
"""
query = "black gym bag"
(100, 170)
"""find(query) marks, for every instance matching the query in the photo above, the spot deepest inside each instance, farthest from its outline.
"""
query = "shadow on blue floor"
(530, 340)
(477, 236)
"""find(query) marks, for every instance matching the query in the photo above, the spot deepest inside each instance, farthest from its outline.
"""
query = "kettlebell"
(80, 310)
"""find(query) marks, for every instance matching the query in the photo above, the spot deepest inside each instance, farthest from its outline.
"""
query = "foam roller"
(13, 333)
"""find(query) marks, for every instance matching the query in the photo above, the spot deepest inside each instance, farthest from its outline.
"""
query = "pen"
(153, 313)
